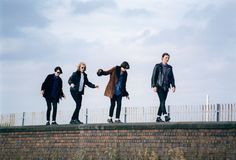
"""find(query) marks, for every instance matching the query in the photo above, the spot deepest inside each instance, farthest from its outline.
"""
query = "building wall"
(120, 141)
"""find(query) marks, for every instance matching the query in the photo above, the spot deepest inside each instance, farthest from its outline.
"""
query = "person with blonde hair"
(77, 82)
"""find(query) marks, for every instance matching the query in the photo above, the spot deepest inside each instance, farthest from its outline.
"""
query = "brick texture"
(161, 141)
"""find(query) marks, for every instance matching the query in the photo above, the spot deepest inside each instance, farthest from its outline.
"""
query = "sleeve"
(101, 72)
(45, 83)
(91, 85)
(125, 80)
(61, 90)
(72, 79)
(172, 79)
(154, 76)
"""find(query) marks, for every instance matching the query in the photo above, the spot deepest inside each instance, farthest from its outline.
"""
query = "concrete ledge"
(123, 126)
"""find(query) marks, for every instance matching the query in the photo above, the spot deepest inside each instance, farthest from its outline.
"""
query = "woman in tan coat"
(116, 88)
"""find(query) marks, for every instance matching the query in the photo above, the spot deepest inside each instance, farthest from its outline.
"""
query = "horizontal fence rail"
(178, 113)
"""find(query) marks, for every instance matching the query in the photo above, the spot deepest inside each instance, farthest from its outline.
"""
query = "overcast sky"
(37, 36)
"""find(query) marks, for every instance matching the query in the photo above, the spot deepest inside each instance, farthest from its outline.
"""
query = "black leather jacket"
(158, 79)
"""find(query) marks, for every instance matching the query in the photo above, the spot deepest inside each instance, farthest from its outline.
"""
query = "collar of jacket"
(78, 73)
(118, 71)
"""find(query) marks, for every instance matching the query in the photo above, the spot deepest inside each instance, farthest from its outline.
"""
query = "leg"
(162, 109)
(78, 100)
(112, 106)
(118, 109)
(162, 98)
(54, 113)
(49, 107)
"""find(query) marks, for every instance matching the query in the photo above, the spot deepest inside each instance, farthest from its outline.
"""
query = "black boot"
(159, 119)
(167, 118)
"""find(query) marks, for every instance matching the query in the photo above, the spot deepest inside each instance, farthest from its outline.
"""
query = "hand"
(173, 89)
(99, 72)
(42, 92)
(127, 97)
(72, 85)
(154, 89)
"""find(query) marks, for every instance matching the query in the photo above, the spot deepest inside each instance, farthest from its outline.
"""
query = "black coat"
(75, 79)
(158, 77)
(47, 87)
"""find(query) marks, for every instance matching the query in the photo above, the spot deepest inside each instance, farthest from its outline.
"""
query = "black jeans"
(162, 94)
(51, 102)
(115, 99)
(77, 96)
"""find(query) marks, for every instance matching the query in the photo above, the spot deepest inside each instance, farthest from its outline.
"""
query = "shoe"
(73, 122)
(159, 119)
(79, 122)
(118, 121)
(167, 118)
(54, 123)
(109, 120)
(48, 123)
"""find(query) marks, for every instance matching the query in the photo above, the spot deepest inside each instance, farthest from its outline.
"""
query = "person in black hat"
(116, 88)
(51, 90)
(162, 80)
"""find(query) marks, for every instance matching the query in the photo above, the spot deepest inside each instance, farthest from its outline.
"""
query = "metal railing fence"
(178, 113)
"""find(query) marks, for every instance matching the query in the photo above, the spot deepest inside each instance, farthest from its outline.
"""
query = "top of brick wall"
(124, 126)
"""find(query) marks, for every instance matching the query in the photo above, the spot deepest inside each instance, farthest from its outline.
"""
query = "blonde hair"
(81, 64)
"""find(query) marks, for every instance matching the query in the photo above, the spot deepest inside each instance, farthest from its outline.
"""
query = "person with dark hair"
(51, 90)
(77, 82)
(162, 80)
(116, 88)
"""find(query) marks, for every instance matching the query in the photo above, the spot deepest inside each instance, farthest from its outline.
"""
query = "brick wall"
(120, 141)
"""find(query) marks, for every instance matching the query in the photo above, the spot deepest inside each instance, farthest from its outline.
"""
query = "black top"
(75, 79)
(51, 88)
(162, 76)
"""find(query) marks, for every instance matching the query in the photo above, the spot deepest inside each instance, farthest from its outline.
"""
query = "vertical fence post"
(86, 116)
(23, 119)
(168, 110)
(125, 116)
(218, 112)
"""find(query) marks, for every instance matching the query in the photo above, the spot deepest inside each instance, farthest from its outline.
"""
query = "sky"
(37, 36)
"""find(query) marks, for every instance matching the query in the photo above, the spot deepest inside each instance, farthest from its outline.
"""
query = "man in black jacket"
(162, 80)
(51, 90)
(77, 82)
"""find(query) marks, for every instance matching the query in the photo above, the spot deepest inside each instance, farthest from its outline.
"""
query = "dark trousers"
(115, 99)
(162, 94)
(51, 102)
(77, 96)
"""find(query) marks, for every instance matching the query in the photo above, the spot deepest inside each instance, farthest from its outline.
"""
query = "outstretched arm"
(101, 72)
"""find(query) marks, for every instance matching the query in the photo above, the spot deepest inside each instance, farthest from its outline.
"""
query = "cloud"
(138, 12)
(221, 29)
(199, 36)
(90, 6)
(212, 28)
(15, 15)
